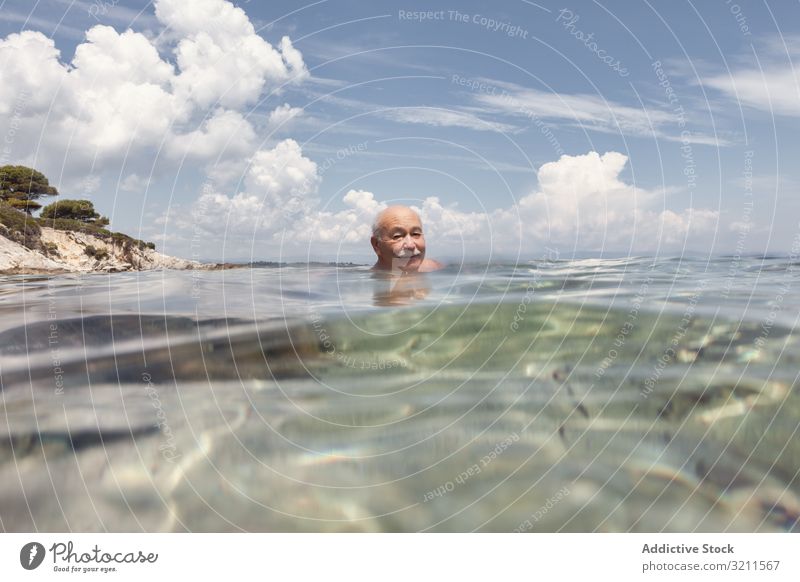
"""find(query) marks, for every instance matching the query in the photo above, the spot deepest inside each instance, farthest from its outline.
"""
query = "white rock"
(15, 258)
(71, 256)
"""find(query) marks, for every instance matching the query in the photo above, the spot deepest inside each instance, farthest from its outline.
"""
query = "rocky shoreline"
(80, 252)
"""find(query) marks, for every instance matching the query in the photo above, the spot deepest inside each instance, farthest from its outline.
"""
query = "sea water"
(634, 394)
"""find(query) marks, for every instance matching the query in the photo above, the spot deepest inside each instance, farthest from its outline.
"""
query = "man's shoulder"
(430, 265)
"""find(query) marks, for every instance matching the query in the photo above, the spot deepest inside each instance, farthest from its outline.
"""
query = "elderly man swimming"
(399, 243)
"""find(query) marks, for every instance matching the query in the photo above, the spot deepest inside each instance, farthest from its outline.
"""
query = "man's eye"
(417, 234)
(397, 237)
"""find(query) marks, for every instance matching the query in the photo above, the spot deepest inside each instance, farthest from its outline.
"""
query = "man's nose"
(409, 243)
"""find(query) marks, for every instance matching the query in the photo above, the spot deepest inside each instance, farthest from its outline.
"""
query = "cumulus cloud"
(278, 202)
(225, 131)
(282, 115)
(222, 60)
(31, 71)
(283, 174)
(279, 188)
(445, 224)
(581, 203)
(123, 98)
(351, 226)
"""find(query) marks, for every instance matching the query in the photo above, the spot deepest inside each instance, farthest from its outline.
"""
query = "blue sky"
(272, 130)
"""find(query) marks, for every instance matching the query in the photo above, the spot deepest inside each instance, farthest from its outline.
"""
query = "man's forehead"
(401, 218)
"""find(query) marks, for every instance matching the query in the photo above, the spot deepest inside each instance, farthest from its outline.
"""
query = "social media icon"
(31, 555)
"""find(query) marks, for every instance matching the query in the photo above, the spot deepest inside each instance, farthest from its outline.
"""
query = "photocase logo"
(31, 555)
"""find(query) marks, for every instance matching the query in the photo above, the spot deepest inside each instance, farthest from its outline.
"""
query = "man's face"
(401, 244)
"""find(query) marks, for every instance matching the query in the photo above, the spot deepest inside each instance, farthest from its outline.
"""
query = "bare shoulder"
(429, 265)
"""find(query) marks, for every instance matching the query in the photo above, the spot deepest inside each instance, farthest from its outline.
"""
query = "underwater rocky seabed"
(626, 395)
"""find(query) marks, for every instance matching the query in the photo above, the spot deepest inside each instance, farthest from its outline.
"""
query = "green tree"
(19, 227)
(82, 210)
(26, 206)
(20, 183)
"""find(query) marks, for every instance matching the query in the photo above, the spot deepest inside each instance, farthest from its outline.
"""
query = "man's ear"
(374, 242)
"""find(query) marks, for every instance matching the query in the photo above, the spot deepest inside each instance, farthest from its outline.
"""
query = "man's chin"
(407, 264)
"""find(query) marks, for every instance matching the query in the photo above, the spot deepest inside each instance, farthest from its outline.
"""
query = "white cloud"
(108, 11)
(115, 92)
(280, 117)
(437, 117)
(771, 83)
(53, 26)
(351, 226)
(282, 173)
(775, 89)
(31, 75)
(222, 60)
(448, 224)
(240, 215)
(590, 112)
(133, 183)
(586, 109)
(89, 185)
(280, 186)
(225, 133)
(110, 59)
(125, 100)
(581, 203)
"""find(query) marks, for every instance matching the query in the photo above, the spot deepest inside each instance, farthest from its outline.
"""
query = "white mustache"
(407, 254)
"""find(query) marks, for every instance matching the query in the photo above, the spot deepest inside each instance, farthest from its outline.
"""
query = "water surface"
(588, 395)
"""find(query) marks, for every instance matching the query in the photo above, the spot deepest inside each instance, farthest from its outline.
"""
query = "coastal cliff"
(62, 251)
(68, 236)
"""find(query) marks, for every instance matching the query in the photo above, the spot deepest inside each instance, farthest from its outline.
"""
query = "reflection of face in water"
(399, 290)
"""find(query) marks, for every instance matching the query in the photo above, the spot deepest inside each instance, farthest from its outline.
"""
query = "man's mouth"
(406, 254)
